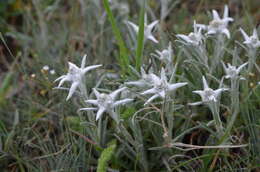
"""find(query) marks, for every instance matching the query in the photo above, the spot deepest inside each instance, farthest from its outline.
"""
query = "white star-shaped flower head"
(232, 71)
(161, 87)
(218, 25)
(251, 41)
(145, 81)
(147, 29)
(207, 94)
(194, 38)
(165, 55)
(106, 102)
(75, 75)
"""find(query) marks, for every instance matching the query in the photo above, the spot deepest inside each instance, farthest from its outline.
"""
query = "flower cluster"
(106, 103)
(152, 84)
(161, 87)
(165, 55)
(75, 75)
(232, 72)
(208, 95)
(251, 41)
(147, 29)
(218, 25)
(146, 80)
(194, 38)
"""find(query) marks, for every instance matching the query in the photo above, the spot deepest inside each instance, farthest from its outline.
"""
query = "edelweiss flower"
(147, 29)
(207, 95)
(232, 71)
(251, 41)
(145, 81)
(161, 87)
(218, 25)
(75, 75)
(165, 55)
(106, 102)
(194, 38)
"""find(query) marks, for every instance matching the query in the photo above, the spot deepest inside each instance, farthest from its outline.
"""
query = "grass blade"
(140, 39)
(123, 57)
(106, 155)
(5, 86)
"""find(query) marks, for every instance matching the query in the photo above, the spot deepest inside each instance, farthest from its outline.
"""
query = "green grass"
(123, 56)
(140, 36)
(40, 131)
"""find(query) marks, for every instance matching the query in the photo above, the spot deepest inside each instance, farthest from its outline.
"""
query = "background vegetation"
(40, 131)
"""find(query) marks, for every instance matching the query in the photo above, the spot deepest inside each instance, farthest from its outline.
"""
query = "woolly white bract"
(106, 103)
(251, 41)
(207, 94)
(232, 71)
(218, 25)
(161, 87)
(165, 55)
(147, 29)
(75, 75)
(145, 81)
(194, 38)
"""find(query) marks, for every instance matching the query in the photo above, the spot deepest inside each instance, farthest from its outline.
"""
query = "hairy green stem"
(218, 52)
(218, 123)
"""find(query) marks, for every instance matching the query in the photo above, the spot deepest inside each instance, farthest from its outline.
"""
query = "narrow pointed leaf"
(123, 57)
(140, 39)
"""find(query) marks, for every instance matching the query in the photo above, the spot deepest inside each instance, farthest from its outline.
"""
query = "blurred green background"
(35, 33)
